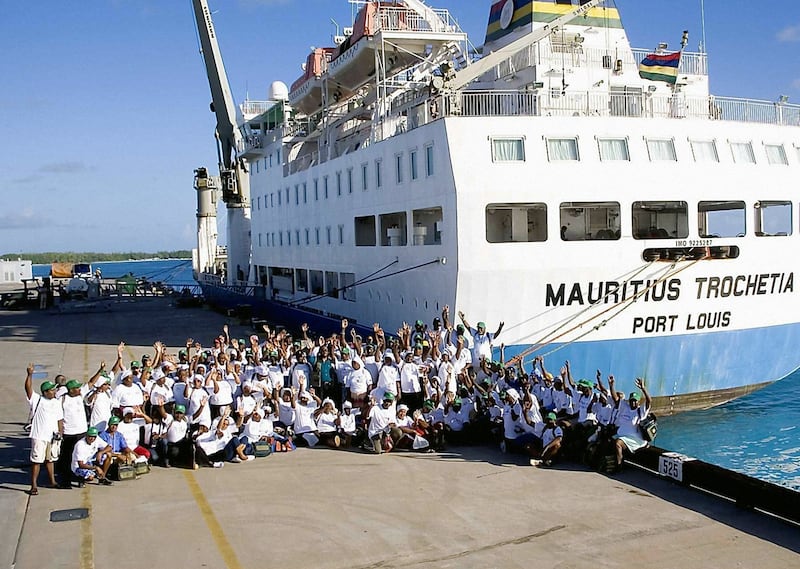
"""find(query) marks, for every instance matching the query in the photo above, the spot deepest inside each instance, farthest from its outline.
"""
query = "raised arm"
(117, 367)
(463, 318)
(611, 388)
(29, 381)
(499, 329)
(647, 399)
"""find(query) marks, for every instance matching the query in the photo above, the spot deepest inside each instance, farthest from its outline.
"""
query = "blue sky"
(104, 106)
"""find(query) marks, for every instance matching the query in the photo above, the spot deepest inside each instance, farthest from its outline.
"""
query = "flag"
(661, 67)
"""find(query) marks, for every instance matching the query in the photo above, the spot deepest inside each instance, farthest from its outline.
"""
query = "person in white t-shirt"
(304, 419)
(630, 413)
(91, 458)
(347, 424)
(47, 425)
(381, 419)
(481, 339)
(75, 426)
(327, 418)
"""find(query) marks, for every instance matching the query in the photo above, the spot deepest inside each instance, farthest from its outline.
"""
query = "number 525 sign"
(670, 464)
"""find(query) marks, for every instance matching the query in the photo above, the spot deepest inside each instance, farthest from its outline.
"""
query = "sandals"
(32, 492)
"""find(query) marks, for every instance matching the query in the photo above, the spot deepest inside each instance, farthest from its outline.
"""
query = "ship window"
(328, 234)
(339, 183)
(364, 229)
(776, 154)
(258, 202)
(773, 218)
(378, 174)
(297, 194)
(288, 238)
(613, 149)
(280, 237)
(301, 276)
(259, 240)
(427, 228)
(316, 235)
(743, 153)
(297, 237)
(325, 186)
(279, 197)
(721, 219)
(341, 235)
(398, 167)
(508, 149)
(429, 160)
(317, 286)
(660, 220)
(349, 180)
(412, 158)
(589, 221)
(346, 281)
(797, 149)
(394, 229)
(704, 151)
(305, 193)
(332, 284)
(364, 180)
(308, 237)
(562, 149)
(661, 149)
(282, 281)
(516, 222)
(316, 189)
(287, 195)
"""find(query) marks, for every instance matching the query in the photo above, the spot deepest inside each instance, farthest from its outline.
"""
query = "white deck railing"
(521, 103)
(390, 19)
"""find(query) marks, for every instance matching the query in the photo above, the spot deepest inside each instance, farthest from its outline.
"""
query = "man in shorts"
(47, 428)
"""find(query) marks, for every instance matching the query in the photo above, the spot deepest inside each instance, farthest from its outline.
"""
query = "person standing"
(75, 426)
(47, 426)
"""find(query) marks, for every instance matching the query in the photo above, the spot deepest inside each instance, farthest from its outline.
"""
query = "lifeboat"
(306, 93)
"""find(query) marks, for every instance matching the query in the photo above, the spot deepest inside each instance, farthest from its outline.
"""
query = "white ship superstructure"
(639, 227)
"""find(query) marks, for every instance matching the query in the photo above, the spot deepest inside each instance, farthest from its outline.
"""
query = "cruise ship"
(594, 197)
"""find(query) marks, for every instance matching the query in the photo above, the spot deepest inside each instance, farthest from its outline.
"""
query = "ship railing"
(572, 55)
(397, 19)
(582, 103)
(254, 108)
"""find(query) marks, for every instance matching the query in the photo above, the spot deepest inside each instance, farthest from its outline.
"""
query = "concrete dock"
(319, 508)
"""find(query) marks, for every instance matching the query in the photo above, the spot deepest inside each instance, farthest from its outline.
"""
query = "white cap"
(126, 374)
(127, 410)
(101, 381)
(347, 405)
(402, 407)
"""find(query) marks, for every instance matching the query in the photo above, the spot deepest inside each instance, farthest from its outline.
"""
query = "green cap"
(635, 396)
(345, 350)
(73, 384)
(91, 432)
(550, 417)
(47, 385)
(113, 421)
(388, 396)
(273, 353)
(136, 363)
(428, 403)
(242, 341)
(481, 324)
(420, 323)
(181, 352)
(457, 401)
(180, 408)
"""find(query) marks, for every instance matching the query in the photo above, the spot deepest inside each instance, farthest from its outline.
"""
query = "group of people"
(419, 390)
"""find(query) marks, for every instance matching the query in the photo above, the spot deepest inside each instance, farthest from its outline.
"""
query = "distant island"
(72, 257)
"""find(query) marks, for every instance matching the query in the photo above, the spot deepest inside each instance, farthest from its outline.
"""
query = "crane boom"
(235, 180)
(469, 74)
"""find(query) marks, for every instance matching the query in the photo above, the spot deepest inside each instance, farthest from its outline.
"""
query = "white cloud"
(63, 168)
(789, 34)
(25, 219)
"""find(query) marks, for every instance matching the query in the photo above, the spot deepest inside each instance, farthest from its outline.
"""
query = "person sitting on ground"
(552, 436)
(219, 444)
(130, 428)
(180, 449)
(91, 459)
(120, 451)
(381, 419)
(630, 413)
(347, 425)
(305, 425)
(403, 432)
(255, 429)
(327, 418)
(518, 436)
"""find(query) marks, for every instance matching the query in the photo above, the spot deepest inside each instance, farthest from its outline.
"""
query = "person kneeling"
(91, 459)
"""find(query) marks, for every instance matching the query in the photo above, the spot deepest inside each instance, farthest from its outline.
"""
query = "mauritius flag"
(661, 67)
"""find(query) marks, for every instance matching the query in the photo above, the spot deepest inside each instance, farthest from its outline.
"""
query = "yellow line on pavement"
(87, 543)
(223, 545)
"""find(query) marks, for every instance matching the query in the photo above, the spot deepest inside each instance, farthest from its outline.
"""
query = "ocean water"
(173, 272)
(758, 435)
